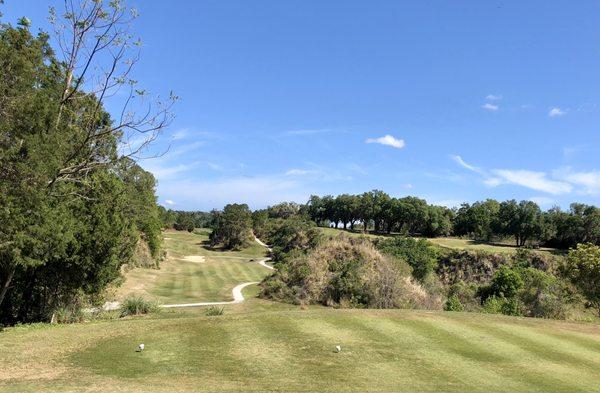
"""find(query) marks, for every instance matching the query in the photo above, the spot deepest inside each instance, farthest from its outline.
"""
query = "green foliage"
(137, 305)
(477, 220)
(506, 283)
(418, 253)
(66, 315)
(583, 269)
(214, 311)
(453, 304)
(232, 227)
(542, 295)
(501, 305)
(71, 209)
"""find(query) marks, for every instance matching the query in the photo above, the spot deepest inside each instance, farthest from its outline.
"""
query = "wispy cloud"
(387, 140)
(490, 107)
(461, 162)
(493, 97)
(300, 172)
(589, 181)
(556, 111)
(180, 134)
(169, 202)
(534, 180)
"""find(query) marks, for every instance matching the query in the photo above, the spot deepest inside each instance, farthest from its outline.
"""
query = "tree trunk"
(6, 284)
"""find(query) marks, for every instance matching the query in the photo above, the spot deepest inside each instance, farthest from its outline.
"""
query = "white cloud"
(169, 202)
(461, 162)
(300, 172)
(494, 97)
(490, 107)
(162, 171)
(180, 134)
(387, 140)
(492, 182)
(543, 201)
(590, 181)
(555, 112)
(534, 180)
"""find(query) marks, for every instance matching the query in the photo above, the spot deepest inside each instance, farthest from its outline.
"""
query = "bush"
(467, 295)
(583, 269)
(65, 315)
(506, 282)
(214, 311)
(453, 304)
(417, 253)
(501, 305)
(543, 295)
(137, 305)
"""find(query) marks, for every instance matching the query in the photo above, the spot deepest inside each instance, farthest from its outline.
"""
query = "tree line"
(487, 220)
(74, 205)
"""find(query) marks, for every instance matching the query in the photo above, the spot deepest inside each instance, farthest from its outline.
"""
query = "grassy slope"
(259, 345)
(180, 281)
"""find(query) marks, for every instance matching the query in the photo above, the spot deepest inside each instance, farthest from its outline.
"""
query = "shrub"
(501, 305)
(417, 253)
(137, 305)
(543, 295)
(453, 304)
(467, 294)
(68, 315)
(583, 269)
(476, 267)
(214, 311)
(506, 282)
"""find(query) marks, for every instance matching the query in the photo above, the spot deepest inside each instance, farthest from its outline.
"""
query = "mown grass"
(182, 281)
(293, 350)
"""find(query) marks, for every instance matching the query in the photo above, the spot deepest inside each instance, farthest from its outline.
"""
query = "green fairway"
(294, 350)
(193, 273)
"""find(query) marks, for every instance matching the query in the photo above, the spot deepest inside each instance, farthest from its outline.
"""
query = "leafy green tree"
(583, 269)
(232, 227)
(522, 220)
(477, 220)
(68, 210)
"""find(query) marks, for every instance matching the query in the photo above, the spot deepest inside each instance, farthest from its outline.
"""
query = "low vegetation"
(137, 305)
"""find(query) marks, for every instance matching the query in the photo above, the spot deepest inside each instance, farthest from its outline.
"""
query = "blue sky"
(448, 101)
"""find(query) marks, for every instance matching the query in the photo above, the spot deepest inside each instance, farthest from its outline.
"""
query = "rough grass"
(209, 277)
(391, 350)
